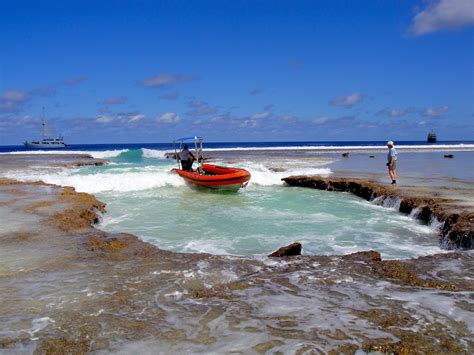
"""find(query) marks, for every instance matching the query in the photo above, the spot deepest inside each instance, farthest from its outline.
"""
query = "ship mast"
(46, 129)
(42, 117)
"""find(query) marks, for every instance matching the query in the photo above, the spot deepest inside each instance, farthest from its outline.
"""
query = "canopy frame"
(178, 146)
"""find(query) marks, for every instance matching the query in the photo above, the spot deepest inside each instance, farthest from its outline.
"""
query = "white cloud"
(200, 108)
(435, 111)
(168, 117)
(347, 101)
(398, 112)
(248, 123)
(260, 115)
(12, 101)
(163, 80)
(136, 118)
(14, 95)
(427, 112)
(289, 119)
(443, 15)
(320, 120)
(104, 119)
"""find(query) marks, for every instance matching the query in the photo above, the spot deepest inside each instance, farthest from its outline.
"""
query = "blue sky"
(151, 71)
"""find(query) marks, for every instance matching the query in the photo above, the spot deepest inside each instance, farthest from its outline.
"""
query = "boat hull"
(42, 147)
(431, 137)
(39, 145)
(216, 178)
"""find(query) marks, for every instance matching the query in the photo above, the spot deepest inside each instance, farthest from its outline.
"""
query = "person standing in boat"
(186, 158)
(392, 162)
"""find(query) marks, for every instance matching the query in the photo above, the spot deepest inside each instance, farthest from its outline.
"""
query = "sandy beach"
(67, 286)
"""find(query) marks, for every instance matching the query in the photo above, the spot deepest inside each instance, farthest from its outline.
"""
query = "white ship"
(48, 142)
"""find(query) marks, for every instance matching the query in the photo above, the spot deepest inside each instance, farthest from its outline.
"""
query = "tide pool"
(260, 219)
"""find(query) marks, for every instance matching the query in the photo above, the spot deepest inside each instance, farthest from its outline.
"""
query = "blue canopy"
(187, 139)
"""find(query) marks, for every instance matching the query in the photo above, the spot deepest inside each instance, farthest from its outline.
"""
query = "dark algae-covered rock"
(292, 249)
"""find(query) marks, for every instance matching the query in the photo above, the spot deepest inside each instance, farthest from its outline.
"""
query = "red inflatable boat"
(216, 177)
(206, 176)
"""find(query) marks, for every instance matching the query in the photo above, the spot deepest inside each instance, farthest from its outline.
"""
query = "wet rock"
(386, 318)
(174, 156)
(63, 345)
(262, 348)
(84, 212)
(106, 243)
(401, 272)
(415, 343)
(277, 170)
(345, 155)
(370, 255)
(344, 349)
(290, 250)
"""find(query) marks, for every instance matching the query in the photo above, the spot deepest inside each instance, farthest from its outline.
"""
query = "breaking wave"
(107, 182)
(263, 176)
(125, 179)
(103, 154)
(153, 153)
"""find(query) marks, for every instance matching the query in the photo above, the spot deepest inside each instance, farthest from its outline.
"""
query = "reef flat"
(68, 287)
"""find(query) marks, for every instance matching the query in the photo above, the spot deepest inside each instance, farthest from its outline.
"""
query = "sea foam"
(103, 154)
(105, 182)
(263, 176)
(153, 153)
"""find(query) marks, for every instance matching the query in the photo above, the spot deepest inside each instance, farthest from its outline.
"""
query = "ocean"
(145, 199)
(323, 145)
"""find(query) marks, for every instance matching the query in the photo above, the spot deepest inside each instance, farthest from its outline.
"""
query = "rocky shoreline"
(457, 223)
(68, 287)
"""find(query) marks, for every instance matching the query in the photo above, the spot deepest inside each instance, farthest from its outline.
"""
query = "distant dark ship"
(431, 137)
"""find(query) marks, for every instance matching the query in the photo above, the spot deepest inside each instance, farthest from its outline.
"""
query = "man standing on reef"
(392, 162)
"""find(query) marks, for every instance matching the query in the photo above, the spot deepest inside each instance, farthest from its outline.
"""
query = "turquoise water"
(145, 199)
(263, 218)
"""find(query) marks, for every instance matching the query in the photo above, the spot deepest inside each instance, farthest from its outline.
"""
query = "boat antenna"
(46, 129)
(43, 124)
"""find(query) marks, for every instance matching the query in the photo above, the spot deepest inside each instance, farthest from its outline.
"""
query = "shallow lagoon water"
(145, 199)
(262, 218)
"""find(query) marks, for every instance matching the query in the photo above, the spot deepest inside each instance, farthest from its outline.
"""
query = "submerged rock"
(172, 156)
(290, 250)
(277, 170)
